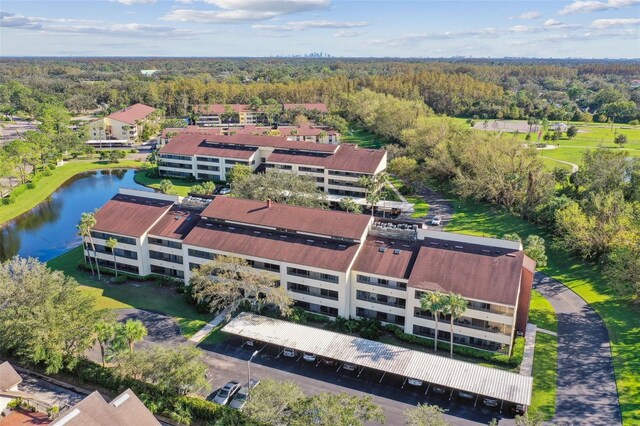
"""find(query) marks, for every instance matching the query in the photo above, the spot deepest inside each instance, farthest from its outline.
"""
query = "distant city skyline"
(347, 28)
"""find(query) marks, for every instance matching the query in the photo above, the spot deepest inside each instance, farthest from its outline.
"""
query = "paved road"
(228, 361)
(439, 205)
(48, 392)
(587, 391)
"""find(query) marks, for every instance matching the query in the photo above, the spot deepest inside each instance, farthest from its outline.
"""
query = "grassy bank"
(48, 184)
(545, 360)
(362, 138)
(620, 316)
(133, 294)
(180, 186)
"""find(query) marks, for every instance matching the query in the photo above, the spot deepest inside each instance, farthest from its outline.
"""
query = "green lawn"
(180, 186)
(551, 163)
(421, 207)
(545, 360)
(133, 294)
(216, 336)
(619, 314)
(48, 184)
(362, 138)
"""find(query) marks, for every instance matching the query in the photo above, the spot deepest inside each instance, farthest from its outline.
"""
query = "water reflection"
(49, 229)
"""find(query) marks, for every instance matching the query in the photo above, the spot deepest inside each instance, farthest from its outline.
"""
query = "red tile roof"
(387, 263)
(176, 224)
(133, 113)
(348, 157)
(130, 215)
(292, 218)
(309, 107)
(195, 143)
(276, 246)
(477, 272)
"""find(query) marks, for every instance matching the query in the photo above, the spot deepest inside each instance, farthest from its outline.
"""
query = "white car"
(224, 191)
(414, 382)
(436, 220)
(240, 399)
(349, 367)
(227, 392)
(289, 353)
(309, 357)
(490, 402)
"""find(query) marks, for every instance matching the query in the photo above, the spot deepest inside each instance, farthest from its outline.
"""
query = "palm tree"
(455, 305)
(105, 332)
(133, 331)
(434, 302)
(83, 231)
(87, 222)
(111, 244)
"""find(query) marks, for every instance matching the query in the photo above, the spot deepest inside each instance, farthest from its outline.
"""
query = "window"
(104, 236)
(208, 159)
(165, 243)
(201, 254)
(165, 257)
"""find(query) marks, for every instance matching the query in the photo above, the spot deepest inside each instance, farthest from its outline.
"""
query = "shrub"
(407, 190)
(634, 122)
(120, 279)
(50, 166)
(8, 200)
(371, 329)
(323, 319)
(298, 315)
(31, 185)
(47, 172)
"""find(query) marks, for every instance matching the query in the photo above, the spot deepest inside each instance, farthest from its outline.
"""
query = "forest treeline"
(569, 90)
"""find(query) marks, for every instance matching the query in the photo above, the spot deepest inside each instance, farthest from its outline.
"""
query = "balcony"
(380, 299)
(394, 285)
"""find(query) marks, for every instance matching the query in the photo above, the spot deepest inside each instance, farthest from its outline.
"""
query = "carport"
(436, 370)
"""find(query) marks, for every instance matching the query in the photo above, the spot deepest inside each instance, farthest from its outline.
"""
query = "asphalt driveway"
(587, 392)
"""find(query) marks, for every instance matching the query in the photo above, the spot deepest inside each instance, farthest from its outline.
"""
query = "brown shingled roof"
(371, 260)
(348, 157)
(176, 224)
(188, 143)
(130, 215)
(276, 246)
(292, 218)
(131, 114)
(124, 410)
(477, 272)
(9, 377)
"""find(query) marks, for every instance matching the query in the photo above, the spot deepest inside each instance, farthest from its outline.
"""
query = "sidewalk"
(204, 331)
(526, 368)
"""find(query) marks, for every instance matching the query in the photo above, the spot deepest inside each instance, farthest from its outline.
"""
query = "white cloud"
(72, 26)
(552, 23)
(304, 25)
(581, 6)
(238, 11)
(528, 15)
(608, 23)
(130, 2)
(347, 33)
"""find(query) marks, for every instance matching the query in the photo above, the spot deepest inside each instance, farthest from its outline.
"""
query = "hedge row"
(21, 189)
(160, 280)
(156, 399)
(512, 361)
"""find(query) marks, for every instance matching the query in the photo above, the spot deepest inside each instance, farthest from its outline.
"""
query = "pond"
(49, 229)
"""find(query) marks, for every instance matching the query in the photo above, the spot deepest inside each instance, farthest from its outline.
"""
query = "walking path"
(574, 167)
(204, 331)
(587, 392)
(526, 367)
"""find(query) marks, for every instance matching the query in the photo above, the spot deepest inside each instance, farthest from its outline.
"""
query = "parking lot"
(228, 361)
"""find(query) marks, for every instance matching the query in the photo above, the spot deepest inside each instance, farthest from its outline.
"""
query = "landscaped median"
(48, 184)
(145, 295)
(620, 315)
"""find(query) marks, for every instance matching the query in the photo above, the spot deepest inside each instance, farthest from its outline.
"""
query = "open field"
(132, 294)
(620, 315)
(362, 138)
(48, 184)
(545, 361)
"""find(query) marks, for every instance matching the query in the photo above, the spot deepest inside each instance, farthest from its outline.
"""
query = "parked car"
(436, 220)
(465, 395)
(240, 399)
(289, 352)
(328, 362)
(349, 367)
(490, 402)
(440, 390)
(518, 409)
(224, 191)
(309, 357)
(227, 392)
(249, 342)
(414, 382)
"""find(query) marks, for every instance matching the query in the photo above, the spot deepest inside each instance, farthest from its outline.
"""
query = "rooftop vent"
(208, 224)
(342, 246)
(396, 251)
(284, 237)
(458, 247)
(511, 255)
(486, 251)
(310, 241)
(231, 228)
(382, 249)
(118, 402)
(256, 232)
(433, 243)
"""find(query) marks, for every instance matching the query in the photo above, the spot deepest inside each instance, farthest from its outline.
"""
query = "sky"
(349, 28)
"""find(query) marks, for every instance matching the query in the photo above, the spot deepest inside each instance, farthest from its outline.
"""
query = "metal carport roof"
(455, 374)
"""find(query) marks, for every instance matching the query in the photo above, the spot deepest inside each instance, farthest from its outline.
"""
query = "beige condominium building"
(125, 124)
(244, 114)
(335, 168)
(333, 263)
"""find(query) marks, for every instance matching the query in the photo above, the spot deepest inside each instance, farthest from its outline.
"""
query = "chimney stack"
(269, 203)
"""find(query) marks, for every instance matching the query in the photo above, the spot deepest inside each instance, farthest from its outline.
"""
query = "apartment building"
(244, 114)
(336, 168)
(334, 263)
(125, 124)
